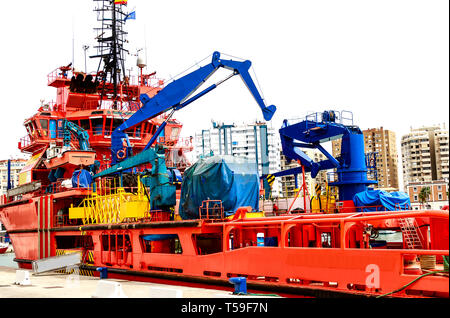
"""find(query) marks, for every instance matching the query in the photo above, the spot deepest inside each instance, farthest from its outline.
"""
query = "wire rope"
(412, 282)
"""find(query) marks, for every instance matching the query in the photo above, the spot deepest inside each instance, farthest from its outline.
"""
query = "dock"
(62, 285)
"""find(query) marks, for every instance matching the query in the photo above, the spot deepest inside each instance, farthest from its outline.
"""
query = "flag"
(120, 1)
(130, 16)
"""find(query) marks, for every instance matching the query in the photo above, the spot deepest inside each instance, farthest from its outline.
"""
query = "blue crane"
(69, 127)
(173, 97)
(177, 95)
(351, 167)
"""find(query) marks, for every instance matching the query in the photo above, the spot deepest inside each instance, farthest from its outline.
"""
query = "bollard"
(22, 278)
(240, 285)
(103, 272)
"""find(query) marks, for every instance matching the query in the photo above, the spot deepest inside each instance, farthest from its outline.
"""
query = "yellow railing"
(111, 204)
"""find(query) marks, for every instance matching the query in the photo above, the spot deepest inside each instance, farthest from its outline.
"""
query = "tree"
(424, 195)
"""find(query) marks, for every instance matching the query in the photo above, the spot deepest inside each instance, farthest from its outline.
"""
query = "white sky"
(386, 61)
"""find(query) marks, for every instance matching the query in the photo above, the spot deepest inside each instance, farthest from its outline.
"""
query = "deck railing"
(101, 135)
(211, 210)
(145, 80)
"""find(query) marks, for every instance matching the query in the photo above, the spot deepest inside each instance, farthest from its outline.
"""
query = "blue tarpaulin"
(81, 179)
(234, 181)
(391, 201)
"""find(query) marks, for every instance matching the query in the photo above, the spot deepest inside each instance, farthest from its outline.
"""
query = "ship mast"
(111, 38)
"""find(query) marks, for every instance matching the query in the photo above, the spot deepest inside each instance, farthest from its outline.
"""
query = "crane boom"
(177, 95)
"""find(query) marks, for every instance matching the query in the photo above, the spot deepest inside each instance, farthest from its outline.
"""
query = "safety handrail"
(211, 209)
(144, 80)
(100, 135)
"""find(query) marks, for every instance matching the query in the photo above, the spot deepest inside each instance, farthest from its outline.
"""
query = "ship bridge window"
(175, 132)
(34, 129)
(161, 243)
(116, 123)
(137, 132)
(97, 126)
(84, 123)
(44, 123)
(29, 129)
(151, 128)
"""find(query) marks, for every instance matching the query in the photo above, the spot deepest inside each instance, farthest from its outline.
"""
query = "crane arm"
(177, 95)
(310, 134)
(82, 135)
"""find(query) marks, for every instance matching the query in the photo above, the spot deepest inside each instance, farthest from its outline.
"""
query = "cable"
(257, 82)
(445, 257)
(172, 79)
(234, 57)
(416, 279)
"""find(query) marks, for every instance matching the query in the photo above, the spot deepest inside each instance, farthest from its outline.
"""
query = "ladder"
(410, 233)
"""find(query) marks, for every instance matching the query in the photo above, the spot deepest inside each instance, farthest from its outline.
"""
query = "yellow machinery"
(111, 204)
(323, 203)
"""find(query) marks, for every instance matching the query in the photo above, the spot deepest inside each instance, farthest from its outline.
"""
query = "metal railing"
(58, 74)
(211, 210)
(340, 117)
(112, 204)
(144, 80)
(100, 135)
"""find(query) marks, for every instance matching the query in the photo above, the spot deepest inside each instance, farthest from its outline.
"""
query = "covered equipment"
(373, 199)
(234, 181)
(81, 179)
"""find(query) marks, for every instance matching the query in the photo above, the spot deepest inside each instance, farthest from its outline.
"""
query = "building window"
(439, 196)
(416, 198)
(415, 189)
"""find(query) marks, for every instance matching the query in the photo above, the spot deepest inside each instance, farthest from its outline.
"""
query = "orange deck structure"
(313, 254)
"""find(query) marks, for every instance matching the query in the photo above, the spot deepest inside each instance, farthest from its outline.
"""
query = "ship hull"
(125, 251)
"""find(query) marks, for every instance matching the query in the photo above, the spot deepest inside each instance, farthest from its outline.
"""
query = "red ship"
(324, 252)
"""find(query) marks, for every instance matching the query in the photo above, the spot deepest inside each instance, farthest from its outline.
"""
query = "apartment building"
(425, 154)
(383, 142)
(256, 141)
(16, 167)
